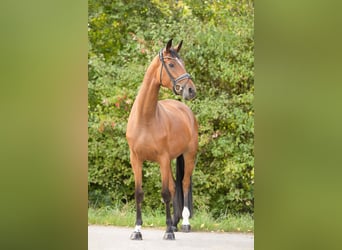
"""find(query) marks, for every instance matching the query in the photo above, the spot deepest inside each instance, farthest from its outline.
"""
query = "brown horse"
(161, 131)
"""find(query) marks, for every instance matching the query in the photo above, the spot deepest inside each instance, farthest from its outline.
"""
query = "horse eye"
(171, 65)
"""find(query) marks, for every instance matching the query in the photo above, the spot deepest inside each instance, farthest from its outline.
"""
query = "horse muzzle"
(187, 91)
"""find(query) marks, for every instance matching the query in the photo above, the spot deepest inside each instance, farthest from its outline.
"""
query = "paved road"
(110, 238)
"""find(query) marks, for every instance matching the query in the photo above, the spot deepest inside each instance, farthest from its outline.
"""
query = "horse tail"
(179, 196)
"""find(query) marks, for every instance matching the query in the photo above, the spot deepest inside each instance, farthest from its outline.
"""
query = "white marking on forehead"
(180, 63)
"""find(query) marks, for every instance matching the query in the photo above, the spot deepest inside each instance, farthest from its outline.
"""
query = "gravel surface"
(109, 237)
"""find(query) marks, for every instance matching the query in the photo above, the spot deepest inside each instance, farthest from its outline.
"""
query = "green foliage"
(218, 52)
(224, 176)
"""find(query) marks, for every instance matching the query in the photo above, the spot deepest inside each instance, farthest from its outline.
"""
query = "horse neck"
(147, 98)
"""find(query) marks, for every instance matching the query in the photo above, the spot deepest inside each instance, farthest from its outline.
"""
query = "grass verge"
(201, 221)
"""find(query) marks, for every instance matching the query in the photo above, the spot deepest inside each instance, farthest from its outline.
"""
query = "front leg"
(139, 196)
(169, 234)
(168, 191)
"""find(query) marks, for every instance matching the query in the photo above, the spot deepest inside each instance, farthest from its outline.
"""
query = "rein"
(173, 80)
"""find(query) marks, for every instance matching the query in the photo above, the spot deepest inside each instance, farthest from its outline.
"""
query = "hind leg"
(189, 162)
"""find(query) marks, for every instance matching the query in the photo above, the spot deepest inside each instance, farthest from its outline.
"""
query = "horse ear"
(179, 46)
(168, 45)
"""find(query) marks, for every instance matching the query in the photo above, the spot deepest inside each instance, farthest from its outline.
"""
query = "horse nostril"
(192, 92)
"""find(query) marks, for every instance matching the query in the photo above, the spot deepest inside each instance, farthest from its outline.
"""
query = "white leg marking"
(137, 228)
(185, 215)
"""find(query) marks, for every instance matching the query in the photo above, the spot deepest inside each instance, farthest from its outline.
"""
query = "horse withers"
(163, 130)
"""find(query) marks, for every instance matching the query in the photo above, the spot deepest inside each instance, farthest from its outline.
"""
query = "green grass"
(201, 221)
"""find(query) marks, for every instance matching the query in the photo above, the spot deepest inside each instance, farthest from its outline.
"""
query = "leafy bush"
(224, 175)
(124, 36)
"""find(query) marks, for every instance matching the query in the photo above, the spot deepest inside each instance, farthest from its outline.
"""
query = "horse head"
(173, 74)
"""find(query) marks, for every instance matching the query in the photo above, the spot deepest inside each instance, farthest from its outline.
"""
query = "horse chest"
(149, 140)
(147, 145)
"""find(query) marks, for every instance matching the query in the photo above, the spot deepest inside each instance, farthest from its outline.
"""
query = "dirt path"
(109, 237)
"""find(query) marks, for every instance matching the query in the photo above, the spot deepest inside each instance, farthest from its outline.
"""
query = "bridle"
(173, 80)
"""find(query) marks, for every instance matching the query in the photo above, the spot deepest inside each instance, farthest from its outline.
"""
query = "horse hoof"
(136, 236)
(186, 228)
(169, 236)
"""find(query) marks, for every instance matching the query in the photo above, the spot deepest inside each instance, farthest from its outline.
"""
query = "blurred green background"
(43, 131)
